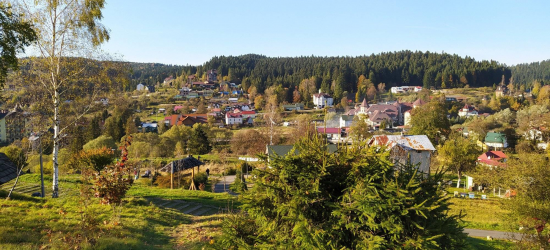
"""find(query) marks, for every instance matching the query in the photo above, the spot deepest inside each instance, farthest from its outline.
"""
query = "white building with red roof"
(467, 111)
(233, 118)
(322, 100)
(331, 133)
(493, 159)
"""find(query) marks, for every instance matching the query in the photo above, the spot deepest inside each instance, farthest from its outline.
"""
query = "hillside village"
(120, 128)
(217, 121)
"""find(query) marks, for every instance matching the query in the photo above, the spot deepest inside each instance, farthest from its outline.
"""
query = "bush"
(47, 166)
(102, 141)
(238, 186)
(200, 178)
(163, 181)
(525, 147)
(231, 171)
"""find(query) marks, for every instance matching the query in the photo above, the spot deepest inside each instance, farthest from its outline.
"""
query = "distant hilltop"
(402, 68)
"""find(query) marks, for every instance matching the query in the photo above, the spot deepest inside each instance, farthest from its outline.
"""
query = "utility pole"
(41, 166)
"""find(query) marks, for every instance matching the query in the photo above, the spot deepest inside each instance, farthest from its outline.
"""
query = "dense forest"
(527, 73)
(339, 74)
(151, 73)
(394, 69)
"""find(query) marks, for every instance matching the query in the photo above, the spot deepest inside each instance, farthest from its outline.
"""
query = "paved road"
(221, 188)
(494, 234)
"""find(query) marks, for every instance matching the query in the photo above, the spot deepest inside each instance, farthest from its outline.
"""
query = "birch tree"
(64, 57)
(459, 154)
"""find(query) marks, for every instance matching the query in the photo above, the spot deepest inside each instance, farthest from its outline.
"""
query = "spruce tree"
(352, 199)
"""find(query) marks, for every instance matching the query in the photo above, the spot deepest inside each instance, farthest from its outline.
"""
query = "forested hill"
(393, 68)
(151, 73)
(529, 72)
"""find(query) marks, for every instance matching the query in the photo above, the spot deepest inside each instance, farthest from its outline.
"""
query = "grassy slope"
(480, 214)
(32, 223)
(482, 244)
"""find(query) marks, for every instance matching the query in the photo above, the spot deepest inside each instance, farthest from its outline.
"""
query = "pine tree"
(180, 150)
(130, 126)
(198, 143)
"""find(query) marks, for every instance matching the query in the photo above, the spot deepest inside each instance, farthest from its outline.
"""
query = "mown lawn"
(483, 244)
(481, 214)
(204, 197)
(34, 223)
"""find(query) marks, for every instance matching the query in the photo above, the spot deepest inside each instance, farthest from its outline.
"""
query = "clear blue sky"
(191, 32)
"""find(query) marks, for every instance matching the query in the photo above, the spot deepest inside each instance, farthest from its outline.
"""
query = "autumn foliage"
(112, 184)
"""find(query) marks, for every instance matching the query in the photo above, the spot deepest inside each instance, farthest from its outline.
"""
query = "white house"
(413, 149)
(140, 87)
(331, 133)
(467, 111)
(533, 135)
(233, 118)
(496, 140)
(321, 100)
(346, 121)
(247, 114)
(405, 89)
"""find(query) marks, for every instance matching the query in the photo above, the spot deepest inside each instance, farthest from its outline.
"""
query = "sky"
(191, 32)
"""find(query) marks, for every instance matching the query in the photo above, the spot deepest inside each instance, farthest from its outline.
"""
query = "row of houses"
(403, 149)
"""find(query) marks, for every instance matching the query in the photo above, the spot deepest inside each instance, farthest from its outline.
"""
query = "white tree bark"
(56, 137)
(63, 34)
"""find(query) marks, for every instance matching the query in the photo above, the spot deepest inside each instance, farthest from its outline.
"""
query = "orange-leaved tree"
(114, 181)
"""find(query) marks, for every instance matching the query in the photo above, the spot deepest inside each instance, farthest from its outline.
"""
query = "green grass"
(34, 223)
(204, 197)
(480, 214)
(483, 244)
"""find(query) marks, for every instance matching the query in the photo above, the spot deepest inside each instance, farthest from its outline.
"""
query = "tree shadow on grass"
(481, 244)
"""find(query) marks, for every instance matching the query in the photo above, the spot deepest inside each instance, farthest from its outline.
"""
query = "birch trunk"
(55, 185)
(458, 182)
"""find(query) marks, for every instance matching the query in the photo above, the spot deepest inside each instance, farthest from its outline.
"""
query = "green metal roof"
(347, 117)
(493, 137)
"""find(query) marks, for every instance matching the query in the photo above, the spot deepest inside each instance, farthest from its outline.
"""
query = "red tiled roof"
(388, 109)
(468, 107)
(233, 115)
(419, 102)
(493, 158)
(329, 130)
(352, 112)
(493, 155)
(251, 112)
(379, 116)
